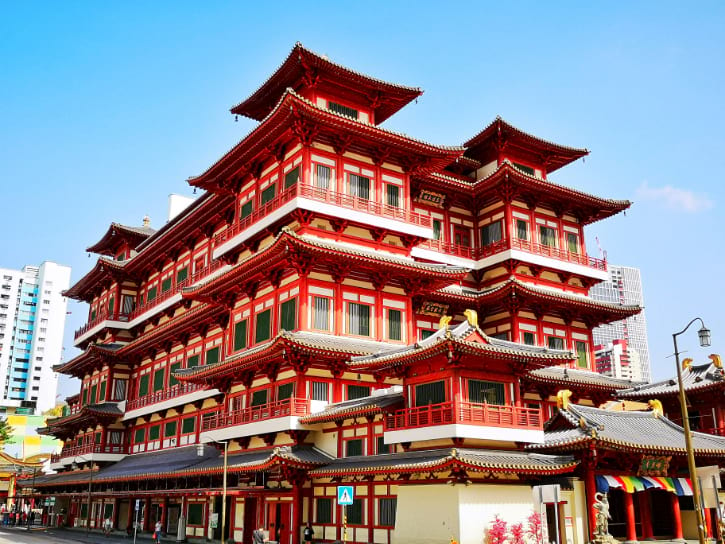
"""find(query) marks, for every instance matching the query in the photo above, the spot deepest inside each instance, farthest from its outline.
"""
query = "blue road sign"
(345, 495)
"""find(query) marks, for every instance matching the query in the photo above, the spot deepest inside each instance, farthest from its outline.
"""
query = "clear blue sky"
(109, 107)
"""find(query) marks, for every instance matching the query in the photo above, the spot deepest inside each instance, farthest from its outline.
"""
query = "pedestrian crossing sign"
(345, 495)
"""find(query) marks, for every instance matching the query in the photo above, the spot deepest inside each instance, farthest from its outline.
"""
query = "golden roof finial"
(444, 321)
(715, 358)
(562, 399)
(471, 317)
(656, 406)
(686, 364)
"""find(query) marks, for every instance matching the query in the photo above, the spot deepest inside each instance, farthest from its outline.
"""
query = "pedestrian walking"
(157, 532)
(309, 533)
(258, 536)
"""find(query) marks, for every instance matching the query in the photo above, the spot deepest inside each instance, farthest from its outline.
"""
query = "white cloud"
(674, 198)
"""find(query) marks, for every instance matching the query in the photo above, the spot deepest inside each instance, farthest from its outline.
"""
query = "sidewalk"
(92, 537)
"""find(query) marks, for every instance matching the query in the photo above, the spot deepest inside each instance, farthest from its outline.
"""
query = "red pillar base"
(676, 519)
(631, 522)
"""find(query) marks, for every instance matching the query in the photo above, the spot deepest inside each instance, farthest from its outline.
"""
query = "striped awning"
(632, 484)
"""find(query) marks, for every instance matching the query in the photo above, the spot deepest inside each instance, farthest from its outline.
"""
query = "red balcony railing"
(282, 408)
(99, 319)
(165, 394)
(329, 197)
(87, 449)
(515, 243)
(470, 413)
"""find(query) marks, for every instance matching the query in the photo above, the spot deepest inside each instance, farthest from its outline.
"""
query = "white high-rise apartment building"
(32, 320)
(624, 286)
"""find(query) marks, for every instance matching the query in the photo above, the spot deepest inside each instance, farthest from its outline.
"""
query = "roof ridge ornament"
(687, 364)
(656, 406)
(562, 399)
(444, 322)
(716, 360)
(471, 317)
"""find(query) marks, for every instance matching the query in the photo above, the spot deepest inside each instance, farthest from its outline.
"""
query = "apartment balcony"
(461, 419)
(176, 395)
(273, 417)
(328, 202)
(512, 248)
(87, 453)
(143, 311)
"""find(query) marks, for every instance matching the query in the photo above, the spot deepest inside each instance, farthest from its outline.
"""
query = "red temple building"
(349, 306)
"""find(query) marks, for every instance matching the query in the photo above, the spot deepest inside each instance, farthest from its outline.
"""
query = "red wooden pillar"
(147, 514)
(114, 519)
(631, 521)
(590, 488)
(164, 512)
(645, 515)
(676, 518)
(131, 513)
(296, 513)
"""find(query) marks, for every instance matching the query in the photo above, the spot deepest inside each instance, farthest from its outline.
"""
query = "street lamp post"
(704, 335)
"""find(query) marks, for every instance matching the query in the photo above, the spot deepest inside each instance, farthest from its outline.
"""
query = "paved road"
(16, 536)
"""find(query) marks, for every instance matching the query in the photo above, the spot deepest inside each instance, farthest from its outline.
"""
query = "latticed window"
(102, 393)
(139, 436)
(382, 447)
(554, 342)
(143, 385)
(170, 429)
(321, 313)
(395, 328)
(386, 511)
(188, 425)
(522, 229)
(320, 391)
(323, 176)
(392, 195)
(166, 284)
(182, 274)
(263, 326)
(572, 242)
(343, 110)
(268, 194)
(151, 294)
(582, 354)
(529, 338)
(547, 236)
(154, 432)
(119, 389)
(430, 393)
(436, 229)
(359, 186)
(246, 209)
(355, 512)
(212, 356)
(159, 379)
(192, 361)
(354, 448)
(488, 392)
(358, 319)
(259, 398)
(491, 233)
(285, 391)
(525, 169)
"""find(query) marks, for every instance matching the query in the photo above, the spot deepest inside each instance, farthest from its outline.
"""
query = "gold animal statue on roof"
(444, 321)
(715, 358)
(686, 364)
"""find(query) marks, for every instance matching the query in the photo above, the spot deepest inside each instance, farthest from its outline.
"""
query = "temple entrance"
(172, 518)
(661, 509)
(279, 521)
(123, 512)
(227, 517)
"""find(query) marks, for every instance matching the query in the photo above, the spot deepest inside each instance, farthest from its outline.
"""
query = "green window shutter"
(139, 436)
(259, 397)
(159, 379)
(166, 284)
(140, 299)
(488, 392)
(102, 396)
(85, 397)
(525, 169)
(357, 391)
(170, 429)
(323, 511)
(288, 321)
(192, 361)
(111, 302)
(285, 391)
(182, 274)
(94, 389)
(268, 194)
(529, 339)
(143, 385)
(355, 512)
(195, 514)
(93, 314)
(97, 438)
(262, 329)
(84, 510)
(172, 379)
(188, 425)
(343, 110)
(430, 393)
(246, 210)
(154, 432)
(291, 177)
(212, 356)
(582, 354)
(240, 335)
(151, 294)
(354, 448)
(436, 229)
(425, 333)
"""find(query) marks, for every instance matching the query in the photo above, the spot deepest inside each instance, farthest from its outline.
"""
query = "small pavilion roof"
(94, 354)
(105, 270)
(474, 460)
(89, 414)
(576, 426)
(700, 378)
(303, 67)
(365, 406)
(577, 377)
(574, 303)
(117, 233)
(294, 110)
(463, 339)
(483, 146)
(587, 207)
